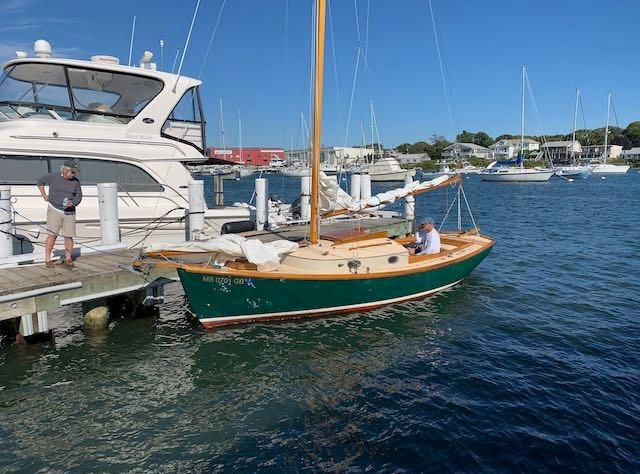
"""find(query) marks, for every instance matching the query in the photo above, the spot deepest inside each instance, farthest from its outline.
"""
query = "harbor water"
(531, 364)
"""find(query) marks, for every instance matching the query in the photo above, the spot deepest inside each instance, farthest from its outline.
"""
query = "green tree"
(465, 137)
(419, 147)
(632, 132)
(482, 139)
(438, 143)
(404, 148)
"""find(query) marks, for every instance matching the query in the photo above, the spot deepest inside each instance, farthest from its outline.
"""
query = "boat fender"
(237, 227)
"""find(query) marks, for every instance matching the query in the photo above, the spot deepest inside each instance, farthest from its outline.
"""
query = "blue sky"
(564, 44)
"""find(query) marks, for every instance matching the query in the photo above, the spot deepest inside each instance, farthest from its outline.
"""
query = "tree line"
(626, 137)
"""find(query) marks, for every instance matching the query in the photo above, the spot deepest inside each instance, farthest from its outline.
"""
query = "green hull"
(221, 300)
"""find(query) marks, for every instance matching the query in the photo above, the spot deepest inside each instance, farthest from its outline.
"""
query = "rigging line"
(175, 60)
(284, 73)
(186, 44)
(213, 35)
(366, 33)
(355, 7)
(335, 63)
(353, 91)
(444, 83)
(615, 115)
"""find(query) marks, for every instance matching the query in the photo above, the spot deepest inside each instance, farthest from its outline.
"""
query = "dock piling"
(305, 201)
(355, 186)
(108, 208)
(218, 190)
(262, 205)
(196, 209)
(409, 200)
(6, 222)
(365, 186)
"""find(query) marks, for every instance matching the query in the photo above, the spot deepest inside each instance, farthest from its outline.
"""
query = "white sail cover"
(266, 255)
(334, 198)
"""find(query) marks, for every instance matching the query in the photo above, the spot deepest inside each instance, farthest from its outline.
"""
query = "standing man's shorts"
(62, 224)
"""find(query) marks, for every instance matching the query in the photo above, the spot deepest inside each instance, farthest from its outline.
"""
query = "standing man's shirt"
(427, 242)
(59, 189)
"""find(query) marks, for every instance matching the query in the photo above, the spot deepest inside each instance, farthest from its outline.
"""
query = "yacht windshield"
(51, 91)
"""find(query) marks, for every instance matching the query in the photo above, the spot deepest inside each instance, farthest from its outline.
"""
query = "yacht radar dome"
(105, 59)
(145, 61)
(42, 49)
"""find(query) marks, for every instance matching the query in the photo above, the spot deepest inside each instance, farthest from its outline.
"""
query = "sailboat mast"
(240, 136)
(314, 231)
(606, 128)
(224, 145)
(522, 121)
(573, 135)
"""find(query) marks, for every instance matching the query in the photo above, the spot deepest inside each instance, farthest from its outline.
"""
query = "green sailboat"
(324, 276)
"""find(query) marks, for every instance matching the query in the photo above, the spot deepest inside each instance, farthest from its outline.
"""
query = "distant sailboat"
(574, 170)
(514, 171)
(604, 167)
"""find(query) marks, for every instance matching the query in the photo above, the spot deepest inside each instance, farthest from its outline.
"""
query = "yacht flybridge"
(134, 126)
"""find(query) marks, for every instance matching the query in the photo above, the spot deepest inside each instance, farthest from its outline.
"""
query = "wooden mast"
(314, 232)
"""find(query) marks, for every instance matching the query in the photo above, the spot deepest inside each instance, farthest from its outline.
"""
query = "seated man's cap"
(70, 164)
(427, 220)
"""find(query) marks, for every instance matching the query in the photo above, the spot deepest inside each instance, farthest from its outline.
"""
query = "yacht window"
(186, 123)
(130, 178)
(22, 169)
(110, 97)
(41, 90)
(35, 90)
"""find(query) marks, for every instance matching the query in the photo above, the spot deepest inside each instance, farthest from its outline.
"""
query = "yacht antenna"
(186, 44)
(133, 34)
(173, 67)
(162, 55)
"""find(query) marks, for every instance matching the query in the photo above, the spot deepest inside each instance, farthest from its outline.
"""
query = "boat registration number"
(224, 280)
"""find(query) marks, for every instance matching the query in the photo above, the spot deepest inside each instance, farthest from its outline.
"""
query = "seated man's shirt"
(427, 242)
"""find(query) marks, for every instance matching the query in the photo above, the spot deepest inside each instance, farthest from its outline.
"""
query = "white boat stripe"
(330, 309)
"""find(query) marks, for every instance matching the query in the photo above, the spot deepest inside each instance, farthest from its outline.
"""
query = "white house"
(596, 152)
(462, 151)
(508, 148)
(632, 153)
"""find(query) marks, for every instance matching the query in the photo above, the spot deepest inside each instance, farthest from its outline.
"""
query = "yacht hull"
(219, 300)
(609, 169)
(576, 172)
(517, 176)
(394, 176)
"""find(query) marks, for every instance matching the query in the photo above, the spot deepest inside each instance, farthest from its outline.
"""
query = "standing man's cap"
(70, 164)
(426, 221)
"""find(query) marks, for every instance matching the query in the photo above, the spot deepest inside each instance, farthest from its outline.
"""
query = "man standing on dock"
(65, 194)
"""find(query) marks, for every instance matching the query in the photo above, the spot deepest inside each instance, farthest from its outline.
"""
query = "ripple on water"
(530, 364)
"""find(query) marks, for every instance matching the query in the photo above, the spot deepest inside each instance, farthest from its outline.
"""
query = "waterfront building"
(330, 155)
(596, 152)
(252, 156)
(508, 148)
(412, 158)
(632, 153)
(463, 151)
(561, 151)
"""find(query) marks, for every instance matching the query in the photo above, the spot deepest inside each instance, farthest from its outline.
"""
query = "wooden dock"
(28, 292)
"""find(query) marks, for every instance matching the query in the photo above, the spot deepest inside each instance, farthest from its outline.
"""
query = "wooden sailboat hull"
(220, 300)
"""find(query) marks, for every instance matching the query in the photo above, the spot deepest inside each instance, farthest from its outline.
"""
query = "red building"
(250, 156)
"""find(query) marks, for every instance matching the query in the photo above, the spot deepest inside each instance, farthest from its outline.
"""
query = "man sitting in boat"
(427, 239)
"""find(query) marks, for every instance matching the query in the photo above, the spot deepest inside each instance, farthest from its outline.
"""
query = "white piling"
(409, 201)
(365, 186)
(355, 186)
(262, 206)
(6, 222)
(305, 201)
(108, 209)
(196, 209)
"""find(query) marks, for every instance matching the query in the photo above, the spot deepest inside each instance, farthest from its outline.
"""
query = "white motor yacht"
(388, 169)
(134, 126)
